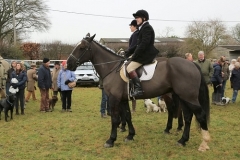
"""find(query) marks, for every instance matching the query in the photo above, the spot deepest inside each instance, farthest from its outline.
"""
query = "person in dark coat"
(226, 73)
(217, 82)
(44, 84)
(131, 48)
(235, 81)
(133, 39)
(21, 75)
(144, 52)
(9, 76)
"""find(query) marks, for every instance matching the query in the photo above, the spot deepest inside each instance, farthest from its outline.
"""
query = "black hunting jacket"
(145, 51)
(132, 44)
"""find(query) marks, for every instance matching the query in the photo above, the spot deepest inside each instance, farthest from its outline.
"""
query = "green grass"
(82, 133)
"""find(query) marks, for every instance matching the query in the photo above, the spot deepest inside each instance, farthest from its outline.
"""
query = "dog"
(162, 105)
(11, 89)
(151, 106)
(7, 104)
(52, 102)
(226, 100)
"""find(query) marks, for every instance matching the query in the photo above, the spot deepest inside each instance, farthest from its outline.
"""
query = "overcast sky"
(176, 14)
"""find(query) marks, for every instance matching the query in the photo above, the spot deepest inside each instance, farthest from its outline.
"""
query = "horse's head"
(81, 53)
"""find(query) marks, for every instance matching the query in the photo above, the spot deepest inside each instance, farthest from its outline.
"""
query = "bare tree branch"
(206, 35)
(236, 32)
(31, 15)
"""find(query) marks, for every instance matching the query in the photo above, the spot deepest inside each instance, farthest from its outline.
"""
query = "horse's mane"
(106, 48)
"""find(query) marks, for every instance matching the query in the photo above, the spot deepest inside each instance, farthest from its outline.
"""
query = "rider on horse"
(144, 52)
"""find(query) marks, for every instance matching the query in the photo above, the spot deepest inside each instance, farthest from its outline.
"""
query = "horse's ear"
(91, 38)
(88, 35)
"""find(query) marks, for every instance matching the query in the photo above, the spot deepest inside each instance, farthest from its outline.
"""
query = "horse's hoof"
(106, 145)
(202, 149)
(128, 140)
(180, 144)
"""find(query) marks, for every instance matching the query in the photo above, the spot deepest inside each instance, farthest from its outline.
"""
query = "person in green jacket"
(206, 67)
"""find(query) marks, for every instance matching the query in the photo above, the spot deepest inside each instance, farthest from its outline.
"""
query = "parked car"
(86, 75)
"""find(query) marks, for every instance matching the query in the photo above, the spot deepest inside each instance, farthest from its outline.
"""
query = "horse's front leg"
(115, 121)
(128, 118)
(123, 117)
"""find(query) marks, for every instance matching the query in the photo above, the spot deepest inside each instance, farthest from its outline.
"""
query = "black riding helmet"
(141, 13)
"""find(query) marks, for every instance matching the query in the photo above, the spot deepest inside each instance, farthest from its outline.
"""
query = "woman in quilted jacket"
(21, 75)
(65, 77)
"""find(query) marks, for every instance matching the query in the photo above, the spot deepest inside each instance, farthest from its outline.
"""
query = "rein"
(115, 68)
(109, 62)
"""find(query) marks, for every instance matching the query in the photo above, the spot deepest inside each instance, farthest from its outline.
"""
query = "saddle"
(144, 72)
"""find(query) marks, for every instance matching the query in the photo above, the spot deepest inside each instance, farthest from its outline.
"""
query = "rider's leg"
(136, 81)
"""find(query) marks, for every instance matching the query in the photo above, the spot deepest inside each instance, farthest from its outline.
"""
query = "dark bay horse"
(173, 75)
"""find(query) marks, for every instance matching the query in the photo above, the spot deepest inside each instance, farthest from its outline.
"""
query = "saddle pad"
(149, 68)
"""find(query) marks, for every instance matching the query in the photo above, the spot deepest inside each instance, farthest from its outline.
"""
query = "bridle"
(85, 50)
(89, 49)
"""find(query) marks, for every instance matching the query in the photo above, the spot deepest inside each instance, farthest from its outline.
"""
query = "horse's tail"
(203, 96)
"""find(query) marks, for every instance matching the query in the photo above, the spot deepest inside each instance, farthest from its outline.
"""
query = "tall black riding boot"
(137, 84)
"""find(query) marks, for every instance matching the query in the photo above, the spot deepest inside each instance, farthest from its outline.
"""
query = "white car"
(51, 66)
(86, 75)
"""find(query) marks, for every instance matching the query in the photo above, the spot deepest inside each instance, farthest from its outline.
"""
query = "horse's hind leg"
(187, 114)
(202, 119)
(188, 110)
